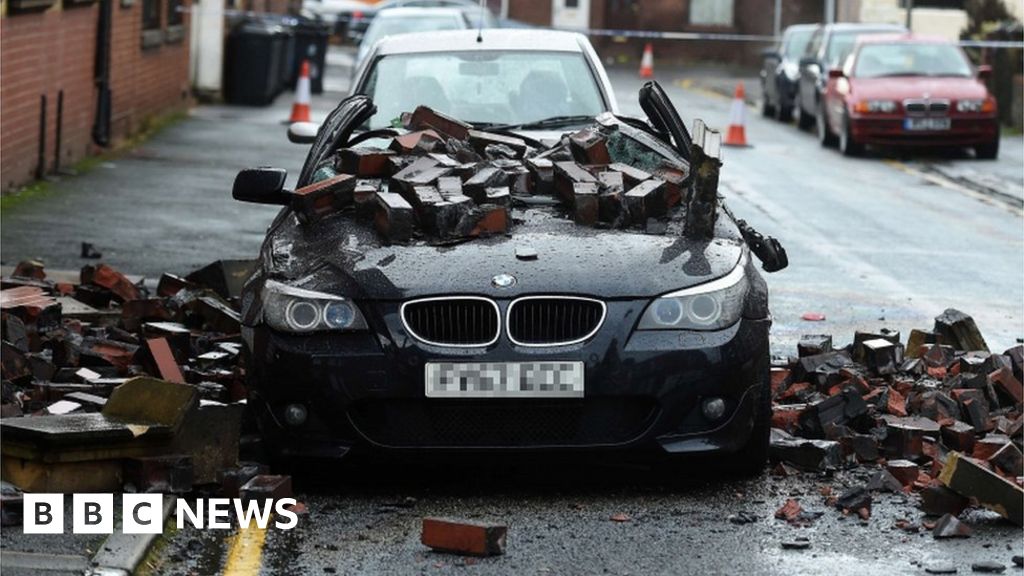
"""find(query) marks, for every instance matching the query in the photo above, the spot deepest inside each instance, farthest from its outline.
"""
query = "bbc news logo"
(144, 513)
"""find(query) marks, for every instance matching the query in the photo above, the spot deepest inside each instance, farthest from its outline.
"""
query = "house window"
(711, 12)
(174, 15)
(151, 14)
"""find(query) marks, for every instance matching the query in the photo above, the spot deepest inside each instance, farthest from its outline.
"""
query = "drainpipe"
(101, 123)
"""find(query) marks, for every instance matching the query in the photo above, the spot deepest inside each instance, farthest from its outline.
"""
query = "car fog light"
(295, 414)
(713, 408)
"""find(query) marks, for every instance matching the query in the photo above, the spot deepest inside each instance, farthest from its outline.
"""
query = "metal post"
(41, 163)
(910, 11)
(830, 11)
(777, 28)
(60, 125)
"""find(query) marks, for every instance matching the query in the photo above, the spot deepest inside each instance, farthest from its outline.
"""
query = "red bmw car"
(908, 91)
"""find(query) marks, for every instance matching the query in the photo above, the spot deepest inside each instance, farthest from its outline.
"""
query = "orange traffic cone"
(300, 110)
(647, 62)
(737, 134)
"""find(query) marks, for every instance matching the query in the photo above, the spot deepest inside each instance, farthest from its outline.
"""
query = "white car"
(538, 82)
(395, 21)
(338, 13)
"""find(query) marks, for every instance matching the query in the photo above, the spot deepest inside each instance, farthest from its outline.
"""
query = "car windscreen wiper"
(552, 122)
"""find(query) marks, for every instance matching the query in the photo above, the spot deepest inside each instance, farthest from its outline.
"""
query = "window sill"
(152, 38)
(23, 6)
(174, 34)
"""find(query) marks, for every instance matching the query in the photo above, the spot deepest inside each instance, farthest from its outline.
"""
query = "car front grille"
(553, 320)
(926, 107)
(452, 321)
(506, 424)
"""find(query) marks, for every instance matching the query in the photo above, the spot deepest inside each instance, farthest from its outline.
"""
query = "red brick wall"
(46, 52)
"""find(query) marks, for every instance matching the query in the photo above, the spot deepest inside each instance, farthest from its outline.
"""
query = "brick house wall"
(46, 52)
(749, 17)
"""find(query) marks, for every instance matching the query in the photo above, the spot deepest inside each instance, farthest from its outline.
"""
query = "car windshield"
(842, 44)
(392, 26)
(796, 43)
(878, 60)
(484, 87)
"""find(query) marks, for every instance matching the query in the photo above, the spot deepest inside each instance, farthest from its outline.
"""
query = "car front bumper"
(890, 132)
(643, 390)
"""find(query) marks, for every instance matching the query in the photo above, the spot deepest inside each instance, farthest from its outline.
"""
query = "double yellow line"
(245, 551)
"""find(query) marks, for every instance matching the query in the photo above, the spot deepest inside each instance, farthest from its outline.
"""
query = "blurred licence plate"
(504, 379)
(926, 124)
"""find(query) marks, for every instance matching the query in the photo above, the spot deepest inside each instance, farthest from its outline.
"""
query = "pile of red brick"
(939, 416)
(446, 180)
(69, 345)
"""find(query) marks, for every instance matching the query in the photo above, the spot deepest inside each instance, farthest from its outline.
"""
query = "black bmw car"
(550, 337)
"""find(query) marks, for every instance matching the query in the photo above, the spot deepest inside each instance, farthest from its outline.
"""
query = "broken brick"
(588, 146)
(394, 218)
(166, 365)
(585, 204)
(972, 479)
(811, 455)
(319, 199)
(959, 330)
(904, 470)
(419, 141)
(480, 140)
(487, 177)
(789, 511)
(1008, 460)
(1008, 386)
(464, 536)
(814, 344)
(855, 499)
(365, 162)
(950, 527)
(566, 176)
(424, 117)
(646, 200)
(265, 487)
(485, 220)
(834, 410)
(882, 356)
(959, 436)
(937, 500)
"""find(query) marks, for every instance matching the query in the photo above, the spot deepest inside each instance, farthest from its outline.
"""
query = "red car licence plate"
(924, 124)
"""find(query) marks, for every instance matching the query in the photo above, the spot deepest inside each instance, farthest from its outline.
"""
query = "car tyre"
(803, 119)
(767, 110)
(825, 135)
(848, 145)
(988, 151)
(783, 113)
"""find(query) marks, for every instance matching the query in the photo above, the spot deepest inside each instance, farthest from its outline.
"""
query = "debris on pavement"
(938, 417)
(107, 387)
(464, 537)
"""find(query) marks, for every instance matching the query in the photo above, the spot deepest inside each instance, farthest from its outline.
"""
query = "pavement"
(877, 241)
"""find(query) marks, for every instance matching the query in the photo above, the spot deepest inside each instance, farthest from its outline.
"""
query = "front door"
(570, 13)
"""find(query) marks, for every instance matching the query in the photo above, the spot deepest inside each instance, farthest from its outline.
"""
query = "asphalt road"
(879, 241)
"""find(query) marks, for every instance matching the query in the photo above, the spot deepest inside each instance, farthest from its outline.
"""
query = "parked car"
(337, 13)
(537, 80)
(361, 21)
(656, 343)
(408, 20)
(780, 71)
(828, 49)
(909, 91)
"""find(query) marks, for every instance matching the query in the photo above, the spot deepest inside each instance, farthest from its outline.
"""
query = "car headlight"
(710, 306)
(876, 106)
(297, 310)
(979, 105)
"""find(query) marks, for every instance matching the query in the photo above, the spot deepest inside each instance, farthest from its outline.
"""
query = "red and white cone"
(300, 109)
(737, 134)
(647, 62)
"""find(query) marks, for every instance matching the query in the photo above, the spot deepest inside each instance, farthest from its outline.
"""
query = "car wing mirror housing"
(262, 185)
(836, 73)
(984, 72)
(302, 132)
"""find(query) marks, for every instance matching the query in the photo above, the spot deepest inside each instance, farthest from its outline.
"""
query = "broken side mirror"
(836, 73)
(262, 186)
(984, 72)
(302, 132)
